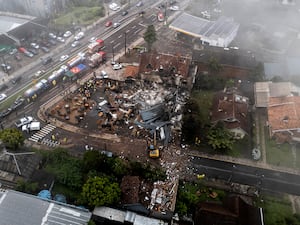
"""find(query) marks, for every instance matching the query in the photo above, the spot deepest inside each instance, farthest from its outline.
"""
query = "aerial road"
(262, 179)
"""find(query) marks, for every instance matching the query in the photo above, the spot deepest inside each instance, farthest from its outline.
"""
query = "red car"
(108, 23)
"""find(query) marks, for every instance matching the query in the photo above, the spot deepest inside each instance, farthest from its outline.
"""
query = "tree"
(257, 74)
(150, 36)
(214, 65)
(98, 191)
(12, 138)
(219, 138)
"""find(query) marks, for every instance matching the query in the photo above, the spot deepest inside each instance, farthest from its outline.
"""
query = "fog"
(267, 27)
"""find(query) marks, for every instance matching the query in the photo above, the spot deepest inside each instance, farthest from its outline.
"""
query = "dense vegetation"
(92, 180)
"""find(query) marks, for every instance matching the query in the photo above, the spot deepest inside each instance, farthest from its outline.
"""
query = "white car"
(23, 121)
(51, 35)
(39, 73)
(92, 39)
(75, 44)
(79, 36)
(60, 39)
(114, 6)
(117, 66)
(2, 97)
(63, 58)
(115, 25)
(174, 8)
(35, 45)
(67, 34)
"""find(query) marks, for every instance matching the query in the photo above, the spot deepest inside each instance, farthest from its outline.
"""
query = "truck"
(152, 148)
(97, 58)
(95, 46)
(76, 60)
(33, 126)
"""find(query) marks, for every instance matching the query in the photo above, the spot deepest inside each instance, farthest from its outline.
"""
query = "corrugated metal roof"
(18, 208)
(200, 27)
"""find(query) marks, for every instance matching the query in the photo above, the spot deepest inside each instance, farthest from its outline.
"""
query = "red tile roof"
(284, 113)
(232, 109)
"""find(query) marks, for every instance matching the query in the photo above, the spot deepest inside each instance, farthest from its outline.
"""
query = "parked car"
(75, 44)
(45, 49)
(108, 23)
(2, 97)
(60, 39)
(67, 34)
(17, 103)
(63, 58)
(34, 45)
(174, 8)
(79, 36)
(5, 67)
(139, 4)
(13, 51)
(23, 121)
(33, 51)
(16, 80)
(51, 35)
(52, 42)
(117, 66)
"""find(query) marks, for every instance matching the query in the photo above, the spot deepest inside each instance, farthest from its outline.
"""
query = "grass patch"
(278, 210)
(278, 154)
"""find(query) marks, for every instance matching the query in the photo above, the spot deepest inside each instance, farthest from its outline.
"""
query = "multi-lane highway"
(263, 179)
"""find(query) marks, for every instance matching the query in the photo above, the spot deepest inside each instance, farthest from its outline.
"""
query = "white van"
(104, 74)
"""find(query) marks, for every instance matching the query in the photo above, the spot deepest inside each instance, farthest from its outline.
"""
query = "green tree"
(257, 74)
(27, 187)
(93, 160)
(98, 191)
(214, 65)
(12, 138)
(150, 36)
(219, 138)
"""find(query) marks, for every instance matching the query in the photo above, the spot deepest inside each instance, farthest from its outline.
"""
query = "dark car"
(47, 60)
(45, 49)
(124, 13)
(16, 80)
(33, 51)
(45, 43)
(52, 42)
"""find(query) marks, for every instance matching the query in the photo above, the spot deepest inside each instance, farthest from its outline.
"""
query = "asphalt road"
(263, 179)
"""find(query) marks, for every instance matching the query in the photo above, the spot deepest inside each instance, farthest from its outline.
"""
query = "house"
(19, 208)
(231, 108)
(233, 211)
(282, 103)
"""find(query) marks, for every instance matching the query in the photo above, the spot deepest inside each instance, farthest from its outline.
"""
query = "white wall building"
(219, 33)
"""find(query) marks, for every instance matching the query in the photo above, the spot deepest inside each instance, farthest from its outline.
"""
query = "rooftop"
(199, 27)
(14, 210)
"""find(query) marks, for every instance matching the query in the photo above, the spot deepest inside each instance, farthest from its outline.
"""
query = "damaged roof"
(176, 64)
(231, 108)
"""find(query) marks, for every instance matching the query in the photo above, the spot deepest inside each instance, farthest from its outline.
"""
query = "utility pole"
(125, 42)
(113, 54)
